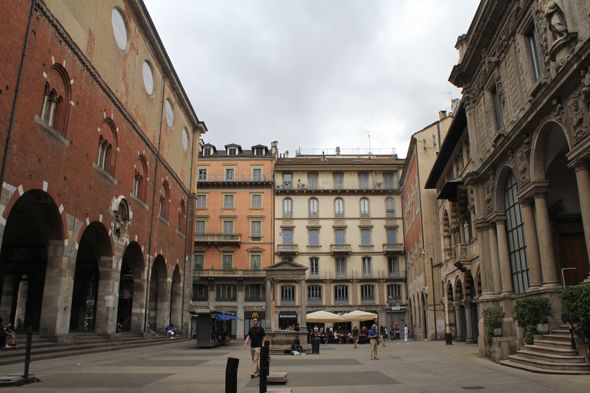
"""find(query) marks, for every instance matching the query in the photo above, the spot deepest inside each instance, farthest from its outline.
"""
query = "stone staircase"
(553, 354)
(86, 343)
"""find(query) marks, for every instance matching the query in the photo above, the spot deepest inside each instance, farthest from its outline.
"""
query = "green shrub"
(528, 312)
(575, 301)
(492, 319)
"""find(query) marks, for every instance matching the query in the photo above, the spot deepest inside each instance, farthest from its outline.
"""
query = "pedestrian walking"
(383, 335)
(406, 333)
(374, 341)
(355, 335)
(256, 336)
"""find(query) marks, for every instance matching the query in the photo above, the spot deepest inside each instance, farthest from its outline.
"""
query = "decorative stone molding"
(585, 93)
(578, 128)
(523, 155)
(555, 18)
(541, 28)
(489, 191)
(558, 111)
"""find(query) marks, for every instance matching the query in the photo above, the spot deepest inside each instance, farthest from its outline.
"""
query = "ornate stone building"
(422, 246)
(524, 70)
(97, 187)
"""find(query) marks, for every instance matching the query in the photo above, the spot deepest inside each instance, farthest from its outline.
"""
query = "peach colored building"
(233, 231)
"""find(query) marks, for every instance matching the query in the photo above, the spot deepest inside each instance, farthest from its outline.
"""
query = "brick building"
(97, 174)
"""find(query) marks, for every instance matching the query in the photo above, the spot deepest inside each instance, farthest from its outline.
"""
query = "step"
(563, 351)
(526, 367)
(557, 337)
(550, 365)
(565, 331)
(277, 377)
(547, 357)
(553, 343)
(17, 355)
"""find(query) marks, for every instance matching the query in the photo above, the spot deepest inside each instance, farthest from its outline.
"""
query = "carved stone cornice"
(534, 190)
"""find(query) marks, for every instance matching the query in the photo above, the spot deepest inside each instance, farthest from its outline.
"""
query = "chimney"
(442, 115)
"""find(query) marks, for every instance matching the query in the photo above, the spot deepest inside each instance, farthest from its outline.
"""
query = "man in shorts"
(355, 335)
(256, 336)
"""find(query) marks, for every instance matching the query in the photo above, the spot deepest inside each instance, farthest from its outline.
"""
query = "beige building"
(420, 233)
(524, 70)
(339, 215)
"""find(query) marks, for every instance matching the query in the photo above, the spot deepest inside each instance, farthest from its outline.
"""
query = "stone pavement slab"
(429, 367)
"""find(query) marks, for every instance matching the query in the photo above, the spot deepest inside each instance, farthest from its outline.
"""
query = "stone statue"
(553, 11)
(489, 189)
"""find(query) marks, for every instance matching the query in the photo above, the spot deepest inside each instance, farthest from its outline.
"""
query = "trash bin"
(315, 346)
(449, 338)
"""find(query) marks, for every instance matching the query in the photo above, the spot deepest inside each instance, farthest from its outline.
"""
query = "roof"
(332, 161)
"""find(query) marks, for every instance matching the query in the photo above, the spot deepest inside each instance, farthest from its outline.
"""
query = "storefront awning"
(449, 190)
(223, 317)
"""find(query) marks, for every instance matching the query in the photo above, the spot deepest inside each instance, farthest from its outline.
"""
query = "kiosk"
(212, 327)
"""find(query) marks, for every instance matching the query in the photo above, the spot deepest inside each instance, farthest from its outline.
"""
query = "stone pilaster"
(546, 248)
(176, 304)
(163, 304)
(240, 311)
(139, 307)
(58, 288)
(583, 179)
(268, 310)
(107, 300)
(496, 272)
(503, 255)
(532, 244)
(303, 289)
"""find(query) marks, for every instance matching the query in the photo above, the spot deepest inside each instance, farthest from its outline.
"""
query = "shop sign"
(202, 310)
(254, 314)
(292, 316)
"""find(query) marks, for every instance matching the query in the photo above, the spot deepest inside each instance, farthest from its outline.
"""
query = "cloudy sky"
(314, 74)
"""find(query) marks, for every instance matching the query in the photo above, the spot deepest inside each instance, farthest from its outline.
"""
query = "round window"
(185, 139)
(169, 113)
(148, 78)
(119, 29)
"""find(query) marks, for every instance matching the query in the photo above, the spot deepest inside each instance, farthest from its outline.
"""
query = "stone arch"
(96, 277)
(176, 298)
(500, 182)
(58, 89)
(548, 130)
(33, 248)
(159, 295)
(132, 289)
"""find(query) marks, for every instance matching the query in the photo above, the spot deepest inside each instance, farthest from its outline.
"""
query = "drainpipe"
(16, 91)
(148, 276)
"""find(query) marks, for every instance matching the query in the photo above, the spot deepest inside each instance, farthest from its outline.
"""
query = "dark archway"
(132, 286)
(33, 222)
(94, 246)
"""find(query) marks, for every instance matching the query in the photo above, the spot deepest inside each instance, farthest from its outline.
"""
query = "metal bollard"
(231, 375)
(264, 366)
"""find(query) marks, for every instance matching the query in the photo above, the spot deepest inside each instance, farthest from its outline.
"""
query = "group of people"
(7, 335)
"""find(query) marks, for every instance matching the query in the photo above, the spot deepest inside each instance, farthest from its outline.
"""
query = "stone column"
(532, 244)
(8, 289)
(468, 323)
(268, 310)
(138, 308)
(303, 289)
(545, 241)
(583, 178)
(211, 300)
(496, 273)
(107, 299)
(58, 288)
(504, 256)
(458, 324)
(487, 280)
(176, 304)
(163, 304)
(240, 312)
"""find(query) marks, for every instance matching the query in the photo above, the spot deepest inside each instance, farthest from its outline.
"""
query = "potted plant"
(492, 318)
(530, 312)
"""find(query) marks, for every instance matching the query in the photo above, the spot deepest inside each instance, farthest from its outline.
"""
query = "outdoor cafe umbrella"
(322, 317)
(358, 315)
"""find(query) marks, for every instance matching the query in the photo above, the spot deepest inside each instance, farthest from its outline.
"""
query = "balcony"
(374, 187)
(340, 249)
(238, 178)
(216, 239)
(287, 249)
(355, 275)
(391, 249)
(462, 255)
(206, 273)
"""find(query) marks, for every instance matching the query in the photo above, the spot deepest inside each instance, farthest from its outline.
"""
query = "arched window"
(181, 217)
(287, 208)
(364, 207)
(165, 201)
(339, 208)
(389, 207)
(139, 178)
(516, 239)
(107, 146)
(103, 148)
(313, 208)
(56, 98)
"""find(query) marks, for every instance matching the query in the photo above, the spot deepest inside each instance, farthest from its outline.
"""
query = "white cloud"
(314, 73)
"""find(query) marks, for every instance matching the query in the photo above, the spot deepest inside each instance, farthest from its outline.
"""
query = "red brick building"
(98, 153)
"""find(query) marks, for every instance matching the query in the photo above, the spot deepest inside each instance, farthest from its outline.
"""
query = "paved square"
(415, 367)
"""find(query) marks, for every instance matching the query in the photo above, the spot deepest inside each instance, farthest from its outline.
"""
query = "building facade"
(234, 230)
(524, 70)
(339, 216)
(97, 185)
(420, 235)
(458, 257)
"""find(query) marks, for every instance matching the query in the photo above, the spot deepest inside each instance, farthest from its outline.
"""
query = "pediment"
(286, 265)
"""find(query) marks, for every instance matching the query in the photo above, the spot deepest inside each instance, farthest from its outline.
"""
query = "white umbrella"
(358, 315)
(322, 317)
